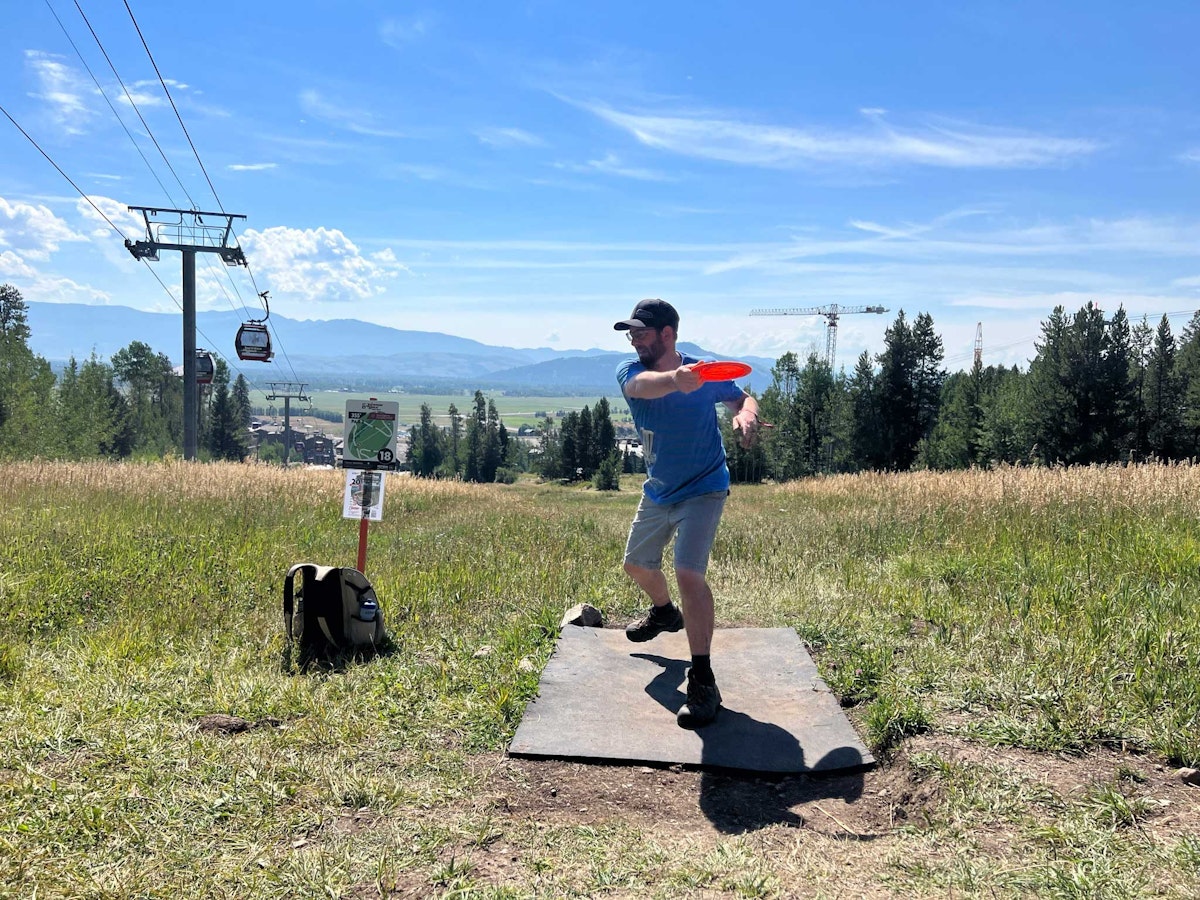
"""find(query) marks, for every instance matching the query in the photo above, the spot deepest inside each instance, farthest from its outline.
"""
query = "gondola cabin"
(204, 367)
(253, 342)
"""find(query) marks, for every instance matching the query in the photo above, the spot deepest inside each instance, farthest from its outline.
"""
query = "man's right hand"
(685, 379)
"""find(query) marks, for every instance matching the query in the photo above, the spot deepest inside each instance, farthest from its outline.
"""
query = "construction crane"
(830, 312)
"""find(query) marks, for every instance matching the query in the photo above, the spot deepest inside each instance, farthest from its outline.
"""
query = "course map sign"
(370, 439)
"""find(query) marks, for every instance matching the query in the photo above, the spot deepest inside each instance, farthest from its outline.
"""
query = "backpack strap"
(289, 602)
(325, 573)
(354, 583)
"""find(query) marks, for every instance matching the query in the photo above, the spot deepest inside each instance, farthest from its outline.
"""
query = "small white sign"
(363, 485)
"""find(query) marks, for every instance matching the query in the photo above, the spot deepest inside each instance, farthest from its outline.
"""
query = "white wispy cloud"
(14, 266)
(421, 172)
(33, 231)
(318, 264)
(131, 224)
(146, 94)
(1095, 238)
(946, 145)
(400, 33)
(1136, 304)
(359, 121)
(61, 289)
(251, 167)
(1191, 155)
(68, 95)
(611, 164)
(508, 137)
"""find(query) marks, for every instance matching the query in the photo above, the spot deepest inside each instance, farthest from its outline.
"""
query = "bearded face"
(650, 349)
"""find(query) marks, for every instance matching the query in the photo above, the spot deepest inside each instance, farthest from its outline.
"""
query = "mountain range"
(343, 352)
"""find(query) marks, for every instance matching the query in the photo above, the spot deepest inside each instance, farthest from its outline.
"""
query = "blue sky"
(522, 173)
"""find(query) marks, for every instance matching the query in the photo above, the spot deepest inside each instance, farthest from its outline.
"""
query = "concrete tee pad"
(602, 697)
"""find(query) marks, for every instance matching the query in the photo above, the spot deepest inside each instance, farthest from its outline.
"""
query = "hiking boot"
(703, 701)
(658, 620)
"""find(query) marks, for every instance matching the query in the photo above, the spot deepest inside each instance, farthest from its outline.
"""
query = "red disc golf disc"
(725, 370)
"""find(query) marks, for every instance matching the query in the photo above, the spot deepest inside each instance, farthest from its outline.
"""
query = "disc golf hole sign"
(370, 437)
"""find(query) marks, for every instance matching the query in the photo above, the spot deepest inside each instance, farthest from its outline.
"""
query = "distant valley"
(343, 352)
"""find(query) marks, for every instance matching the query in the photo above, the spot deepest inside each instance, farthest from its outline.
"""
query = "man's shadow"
(746, 783)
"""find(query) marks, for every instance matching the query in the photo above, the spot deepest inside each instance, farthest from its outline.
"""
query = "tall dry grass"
(1174, 486)
(1046, 609)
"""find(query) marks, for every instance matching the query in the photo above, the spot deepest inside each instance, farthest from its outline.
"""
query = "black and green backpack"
(335, 609)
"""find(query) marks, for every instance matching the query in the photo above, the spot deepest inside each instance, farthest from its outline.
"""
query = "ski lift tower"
(187, 231)
(287, 391)
(830, 312)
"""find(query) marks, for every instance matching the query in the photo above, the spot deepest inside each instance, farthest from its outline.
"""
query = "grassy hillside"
(1020, 648)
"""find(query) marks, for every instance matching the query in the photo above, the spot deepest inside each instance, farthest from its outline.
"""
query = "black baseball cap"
(650, 314)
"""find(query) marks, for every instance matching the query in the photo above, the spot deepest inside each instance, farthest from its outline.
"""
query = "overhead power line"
(150, 133)
(129, 97)
(200, 162)
(120, 233)
(58, 169)
(163, 82)
(104, 94)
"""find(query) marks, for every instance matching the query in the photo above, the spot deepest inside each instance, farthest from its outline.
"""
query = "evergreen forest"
(1099, 389)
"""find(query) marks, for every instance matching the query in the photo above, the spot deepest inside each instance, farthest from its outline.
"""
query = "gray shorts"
(693, 522)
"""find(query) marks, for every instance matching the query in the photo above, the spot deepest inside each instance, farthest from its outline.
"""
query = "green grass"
(1053, 612)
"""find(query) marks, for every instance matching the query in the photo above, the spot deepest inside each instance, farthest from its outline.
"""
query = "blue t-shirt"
(681, 440)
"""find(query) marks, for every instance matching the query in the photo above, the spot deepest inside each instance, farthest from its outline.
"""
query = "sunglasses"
(638, 334)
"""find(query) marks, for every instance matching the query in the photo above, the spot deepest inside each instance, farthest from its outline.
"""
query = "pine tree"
(1187, 369)
(93, 413)
(813, 416)
(242, 414)
(493, 454)
(1052, 411)
(778, 406)
(866, 445)
(949, 445)
(26, 384)
(226, 437)
(549, 458)
(1117, 418)
(506, 446)
(1081, 393)
(476, 441)
(424, 454)
(928, 375)
(1139, 358)
(585, 448)
(453, 464)
(899, 409)
(569, 463)
(604, 434)
(608, 474)
(1005, 434)
(1163, 398)
(155, 398)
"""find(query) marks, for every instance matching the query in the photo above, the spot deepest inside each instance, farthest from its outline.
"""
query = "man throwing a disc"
(685, 489)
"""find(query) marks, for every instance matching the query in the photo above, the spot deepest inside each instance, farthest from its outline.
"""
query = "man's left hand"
(748, 424)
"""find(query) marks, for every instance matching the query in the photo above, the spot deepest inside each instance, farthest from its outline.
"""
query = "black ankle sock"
(661, 612)
(702, 669)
